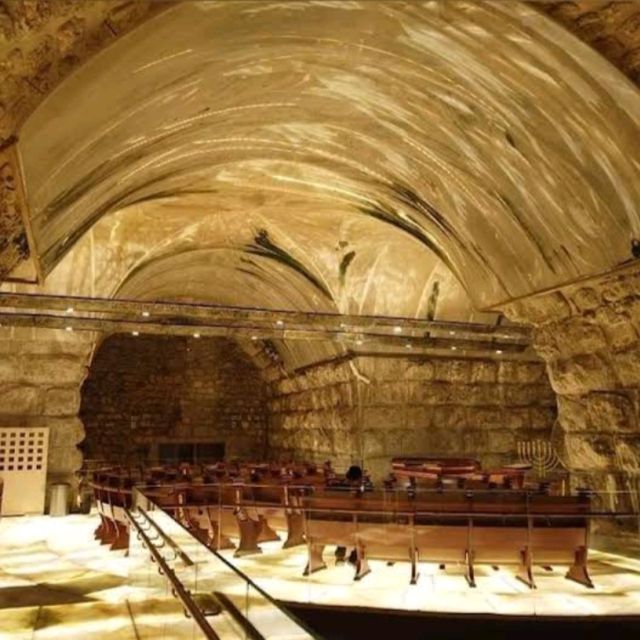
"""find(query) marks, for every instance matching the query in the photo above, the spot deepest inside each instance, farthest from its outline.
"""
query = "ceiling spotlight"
(196, 335)
(145, 314)
(397, 329)
(68, 328)
(498, 350)
(69, 309)
(135, 333)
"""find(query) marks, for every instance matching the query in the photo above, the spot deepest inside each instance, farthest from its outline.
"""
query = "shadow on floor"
(355, 623)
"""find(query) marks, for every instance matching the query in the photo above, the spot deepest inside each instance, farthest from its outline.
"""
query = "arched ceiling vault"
(483, 134)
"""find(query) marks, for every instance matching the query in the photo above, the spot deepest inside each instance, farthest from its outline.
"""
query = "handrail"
(237, 571)
(177, 588)
(176, 549)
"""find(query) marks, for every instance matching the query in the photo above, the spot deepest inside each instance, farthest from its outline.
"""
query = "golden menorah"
(540, 454)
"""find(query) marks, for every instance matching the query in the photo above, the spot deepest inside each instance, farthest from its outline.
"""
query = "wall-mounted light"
(135, 333)
(498, 350)
(280, 323)
(254, 337)
(454, 348)
(196, 335)
(145, 314)
(397, 329)
(68, 328)
(408, 345)
(69, 309)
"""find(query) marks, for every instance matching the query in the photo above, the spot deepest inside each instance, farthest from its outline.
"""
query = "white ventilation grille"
(23, 468)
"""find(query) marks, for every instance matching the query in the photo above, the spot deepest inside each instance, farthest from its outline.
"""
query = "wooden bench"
(463, 527)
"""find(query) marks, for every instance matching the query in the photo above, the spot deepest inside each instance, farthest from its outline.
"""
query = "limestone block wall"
(373, 408)
(41, 371)
(589, 336)
(148, 389)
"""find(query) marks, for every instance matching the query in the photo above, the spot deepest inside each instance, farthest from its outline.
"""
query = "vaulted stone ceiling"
(416, 158)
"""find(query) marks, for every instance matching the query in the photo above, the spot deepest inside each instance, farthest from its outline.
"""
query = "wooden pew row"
(489, 528)
(111, 502)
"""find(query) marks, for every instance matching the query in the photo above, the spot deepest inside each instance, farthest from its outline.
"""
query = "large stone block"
(581, 374)
(627, 366)
(63, 401)
(484, 371)
(20, 399)
(609, 412)
(453, 370)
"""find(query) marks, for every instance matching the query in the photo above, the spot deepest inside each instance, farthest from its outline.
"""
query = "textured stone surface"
(588, 335)
(611, 27)
(418, 406)
(40, 376)
(14, 247)
(149, 389)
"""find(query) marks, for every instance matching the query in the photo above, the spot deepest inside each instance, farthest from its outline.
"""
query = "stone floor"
(56, 581)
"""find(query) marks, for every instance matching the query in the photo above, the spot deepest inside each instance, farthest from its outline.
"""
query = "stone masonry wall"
(41, 371)
(589, 335)
(147, 389)
(410, 406)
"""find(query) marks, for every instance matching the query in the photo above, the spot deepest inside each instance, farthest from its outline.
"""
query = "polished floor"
(56, 581)
(498, 591)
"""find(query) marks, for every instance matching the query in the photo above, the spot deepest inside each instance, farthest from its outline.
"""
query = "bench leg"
(315, 561)
(362, 564)
(413, 553)
(110, 532)
(578, 572)
(266, 533)
(525, 571)
(249, 531)
(469, 569)
(121, 540)
(295, 530)
(341, 555)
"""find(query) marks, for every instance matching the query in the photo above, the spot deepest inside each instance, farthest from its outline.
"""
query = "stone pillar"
(41, 371)
(588, 334)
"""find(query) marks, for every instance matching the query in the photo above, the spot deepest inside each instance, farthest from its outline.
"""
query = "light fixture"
(452, 333)
(498, 350)
(397, 329)
(196, 335)
(68, 328)
(408, 345)
(358, 342)
(453, 348)
(343, 325)
(69, 309)
(254, 337)
(145, 314)
(135, 333)
(280, 323)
